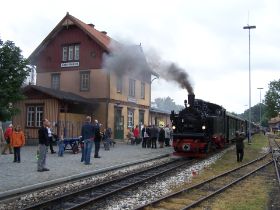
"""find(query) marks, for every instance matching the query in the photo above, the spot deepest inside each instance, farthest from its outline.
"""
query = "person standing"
(87, 133)
(167, 136)
(17, 141)
(239, 146)
(154, 135)
(43, 146)
(97, 139)
(146, 134)
(161, 137)
(50, 135)
(136, 135)
(7, 136)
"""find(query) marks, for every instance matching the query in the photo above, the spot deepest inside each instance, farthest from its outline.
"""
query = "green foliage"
(272, 99)
(167, 104)
(255, 114)
(13, 72)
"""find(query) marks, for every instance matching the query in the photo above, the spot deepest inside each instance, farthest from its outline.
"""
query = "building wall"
(124, 95)
(50, 112)
(70, 82)
(51, 57)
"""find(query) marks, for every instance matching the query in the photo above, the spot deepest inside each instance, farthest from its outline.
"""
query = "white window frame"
(130, 118)
(55, 84)
(131, 87)
(142, 90)
(77, 52)
(34, 115)
(85, 81)
(119, 84)
(71, 53)
(64, 53)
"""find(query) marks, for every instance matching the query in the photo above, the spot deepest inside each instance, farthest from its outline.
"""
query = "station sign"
(69, 64)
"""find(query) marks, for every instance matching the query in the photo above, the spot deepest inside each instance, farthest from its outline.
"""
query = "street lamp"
(260, 105)
(249, 28)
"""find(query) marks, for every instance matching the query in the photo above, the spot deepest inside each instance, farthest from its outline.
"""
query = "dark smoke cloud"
(131, 60)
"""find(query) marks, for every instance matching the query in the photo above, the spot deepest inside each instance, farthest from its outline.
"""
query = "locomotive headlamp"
(173, 127)
(203, 127)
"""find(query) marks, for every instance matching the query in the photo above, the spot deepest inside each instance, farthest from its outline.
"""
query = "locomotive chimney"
(191, 99)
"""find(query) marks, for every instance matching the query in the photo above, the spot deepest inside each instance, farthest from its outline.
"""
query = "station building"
(71, 84)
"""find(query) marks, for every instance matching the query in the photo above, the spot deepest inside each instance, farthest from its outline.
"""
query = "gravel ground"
(162, 186)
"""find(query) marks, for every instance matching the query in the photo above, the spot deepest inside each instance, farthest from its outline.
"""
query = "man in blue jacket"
(88, 135)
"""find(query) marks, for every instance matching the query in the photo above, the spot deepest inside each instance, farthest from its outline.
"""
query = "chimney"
(191, 98)
(104, 32)
(91, 25)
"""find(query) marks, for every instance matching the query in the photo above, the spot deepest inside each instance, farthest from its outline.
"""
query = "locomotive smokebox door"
(186, 147)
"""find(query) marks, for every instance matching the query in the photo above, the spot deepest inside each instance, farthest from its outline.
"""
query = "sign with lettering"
(133, 100)
(69, 64)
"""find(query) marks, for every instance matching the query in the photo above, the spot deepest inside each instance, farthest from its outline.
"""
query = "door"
(119, 124)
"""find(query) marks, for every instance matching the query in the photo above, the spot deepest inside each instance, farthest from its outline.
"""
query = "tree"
(167, 104)
(272, 99)
(13, 71)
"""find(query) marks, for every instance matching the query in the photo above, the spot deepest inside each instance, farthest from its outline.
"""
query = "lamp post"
(260, 105)
(249, 28)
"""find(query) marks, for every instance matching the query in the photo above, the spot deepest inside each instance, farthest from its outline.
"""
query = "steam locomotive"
(202, 127)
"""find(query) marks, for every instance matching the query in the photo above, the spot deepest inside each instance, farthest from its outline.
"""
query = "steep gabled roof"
(100, 37)
(58, 94)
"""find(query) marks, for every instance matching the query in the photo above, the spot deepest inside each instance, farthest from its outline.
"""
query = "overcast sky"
(206, 38)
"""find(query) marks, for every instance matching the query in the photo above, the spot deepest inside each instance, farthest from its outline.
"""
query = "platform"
(17, 177)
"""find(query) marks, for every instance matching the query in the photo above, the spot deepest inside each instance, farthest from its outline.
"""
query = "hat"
(11, 125)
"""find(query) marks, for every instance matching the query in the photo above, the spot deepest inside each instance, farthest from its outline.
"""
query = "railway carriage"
(202, 127)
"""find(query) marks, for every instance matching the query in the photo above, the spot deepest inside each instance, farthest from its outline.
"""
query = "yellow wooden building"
(72, 84)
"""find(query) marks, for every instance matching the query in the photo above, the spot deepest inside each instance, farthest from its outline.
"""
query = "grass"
(251, 194)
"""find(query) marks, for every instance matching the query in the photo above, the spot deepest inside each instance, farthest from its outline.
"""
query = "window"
(71, 52)
(34, 115)
(131, 88)
(130, 118)
(55, 81)
(142, 90)
(119, 84)
(141, 117)
(77, 52)
(84, 81)
(64, 53)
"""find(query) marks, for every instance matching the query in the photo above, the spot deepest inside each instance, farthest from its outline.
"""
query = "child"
(60, 146)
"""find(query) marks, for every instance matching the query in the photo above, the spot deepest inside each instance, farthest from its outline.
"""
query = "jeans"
(60, 148)
(42, 156)
(17, 154)
(86, 152)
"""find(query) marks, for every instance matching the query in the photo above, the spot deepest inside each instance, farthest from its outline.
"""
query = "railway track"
(275, 150)
(87, 196)
(193, 196)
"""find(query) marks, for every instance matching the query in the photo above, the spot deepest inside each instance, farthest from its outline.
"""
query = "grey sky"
(203, 37)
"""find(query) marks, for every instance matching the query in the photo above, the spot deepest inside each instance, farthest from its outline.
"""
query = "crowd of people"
(150, 135)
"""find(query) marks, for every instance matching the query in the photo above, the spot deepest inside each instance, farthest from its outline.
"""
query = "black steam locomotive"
(202, 127)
